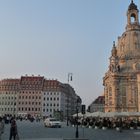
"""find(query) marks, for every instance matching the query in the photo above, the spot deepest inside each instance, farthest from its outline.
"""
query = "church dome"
(132, 6)
(128, 46)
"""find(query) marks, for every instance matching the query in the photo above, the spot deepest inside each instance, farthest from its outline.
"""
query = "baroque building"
(122, 80)
(35, 95)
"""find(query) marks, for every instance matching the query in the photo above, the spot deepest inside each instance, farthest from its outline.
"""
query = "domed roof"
(132, 6)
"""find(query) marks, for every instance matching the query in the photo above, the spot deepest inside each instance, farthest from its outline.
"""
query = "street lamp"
(77, 103)
(69, 79)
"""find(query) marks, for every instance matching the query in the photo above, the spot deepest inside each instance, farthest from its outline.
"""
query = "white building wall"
(51, 101)
(8, 102)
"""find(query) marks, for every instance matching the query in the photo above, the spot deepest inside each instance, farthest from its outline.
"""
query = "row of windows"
(7, 103)
(8, 88)
(50, 93)
(51, 104)
(10, 98)
(29, 97)
(50, 110)
(27, 103)
(7, 109)
(51, 98)
(31, 83)
(30, 103)
(28, 109)
(8, 93)
(29, 92)
(31, 86)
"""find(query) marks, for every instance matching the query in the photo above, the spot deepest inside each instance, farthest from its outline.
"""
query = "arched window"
(133, 18)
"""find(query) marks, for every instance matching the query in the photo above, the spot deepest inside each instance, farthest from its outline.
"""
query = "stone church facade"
(122, 80)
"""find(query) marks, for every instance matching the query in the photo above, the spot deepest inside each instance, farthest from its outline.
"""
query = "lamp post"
(77, 132)
(69, 79)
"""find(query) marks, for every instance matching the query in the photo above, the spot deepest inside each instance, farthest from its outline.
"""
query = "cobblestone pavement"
(36, 131)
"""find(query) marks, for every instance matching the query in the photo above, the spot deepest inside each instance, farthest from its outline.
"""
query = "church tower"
(122, 80)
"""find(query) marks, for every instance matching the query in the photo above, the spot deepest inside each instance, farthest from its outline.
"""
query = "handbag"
(17, 137)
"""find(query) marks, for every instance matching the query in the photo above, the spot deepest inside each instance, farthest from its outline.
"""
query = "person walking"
(13, 129)
(1, 127)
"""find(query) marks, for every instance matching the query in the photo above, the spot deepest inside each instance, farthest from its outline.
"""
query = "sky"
(52, 38)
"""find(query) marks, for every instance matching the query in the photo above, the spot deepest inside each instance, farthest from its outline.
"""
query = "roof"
(99, 100)
(132, 6)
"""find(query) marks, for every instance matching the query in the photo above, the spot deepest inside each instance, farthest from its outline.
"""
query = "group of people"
(110, 123)
(13, 128)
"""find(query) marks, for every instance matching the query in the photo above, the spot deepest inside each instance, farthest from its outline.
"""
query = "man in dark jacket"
(13, 129)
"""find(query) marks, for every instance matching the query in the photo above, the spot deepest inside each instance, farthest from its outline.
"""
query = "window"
(133, 18)
(110, 91)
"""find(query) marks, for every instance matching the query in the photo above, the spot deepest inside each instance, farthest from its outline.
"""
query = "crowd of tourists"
(8, 117)
(107, 123)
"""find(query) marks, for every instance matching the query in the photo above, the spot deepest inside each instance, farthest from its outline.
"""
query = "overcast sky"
(54, 37)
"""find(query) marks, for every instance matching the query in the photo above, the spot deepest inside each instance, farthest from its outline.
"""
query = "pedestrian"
(1, 127)
(120, 125)
(13, 129)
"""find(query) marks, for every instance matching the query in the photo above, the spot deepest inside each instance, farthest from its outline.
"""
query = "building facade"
(98, 105)
(122, 80)
(36, 95)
